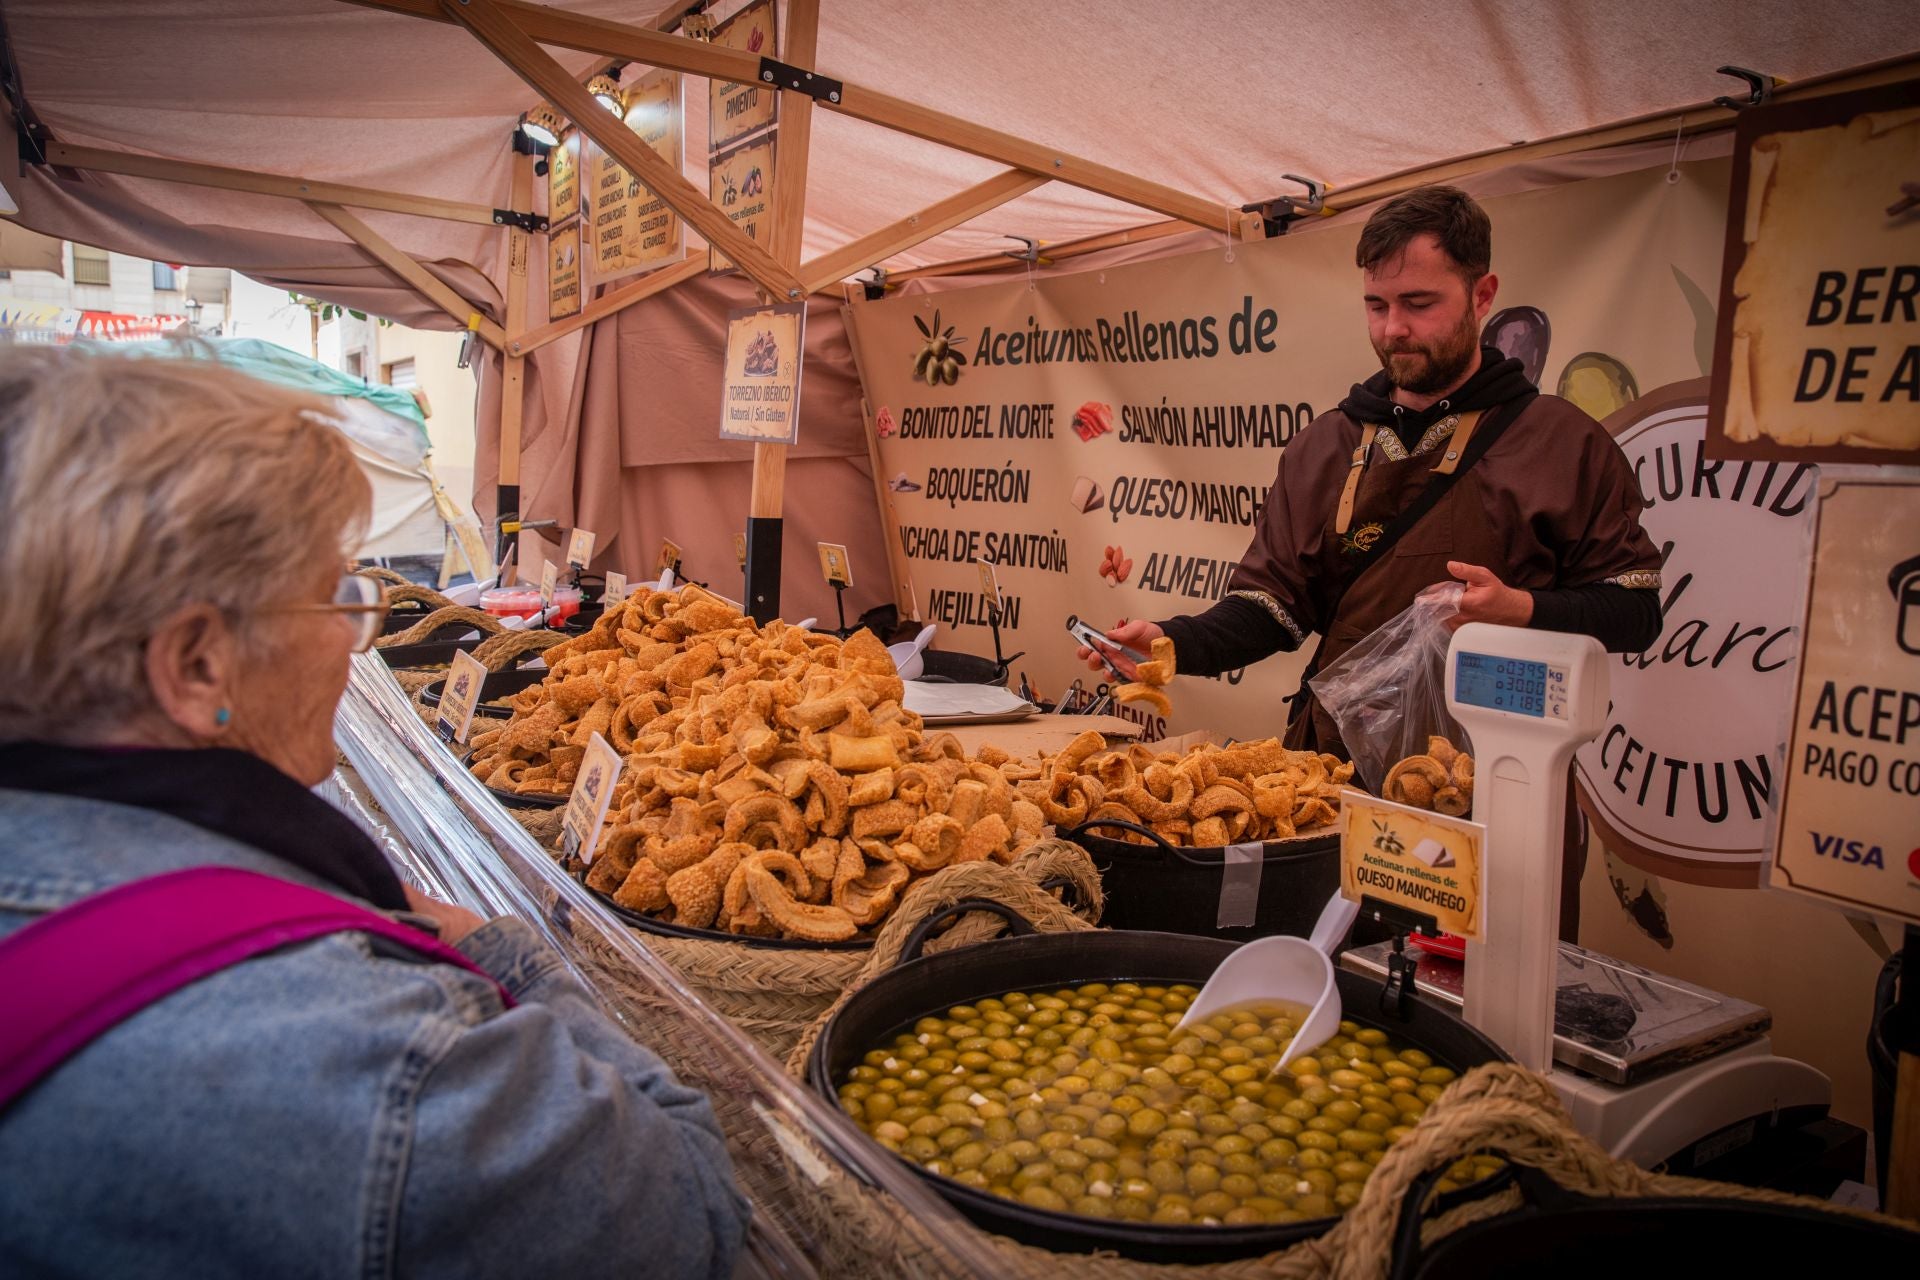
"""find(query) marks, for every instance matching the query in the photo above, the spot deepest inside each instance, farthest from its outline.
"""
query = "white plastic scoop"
(1294, 970)
(906, 654)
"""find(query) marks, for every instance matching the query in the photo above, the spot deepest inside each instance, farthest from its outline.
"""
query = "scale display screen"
(1502, 684)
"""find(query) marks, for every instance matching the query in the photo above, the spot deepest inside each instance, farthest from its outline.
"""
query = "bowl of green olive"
(1043, 1086)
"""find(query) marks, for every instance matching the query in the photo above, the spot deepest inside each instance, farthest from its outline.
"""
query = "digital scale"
(1654, 1069)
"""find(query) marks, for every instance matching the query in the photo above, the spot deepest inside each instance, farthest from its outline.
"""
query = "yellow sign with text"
(563, 271)
(736, 109)
(633, 229)
(741, 182)
(1414, 859)
(563, 178)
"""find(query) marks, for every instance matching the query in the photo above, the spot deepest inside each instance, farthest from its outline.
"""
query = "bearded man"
(1448, 464)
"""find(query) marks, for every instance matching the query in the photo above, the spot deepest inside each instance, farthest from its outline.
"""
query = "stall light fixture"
(543, 124)
(605, 89)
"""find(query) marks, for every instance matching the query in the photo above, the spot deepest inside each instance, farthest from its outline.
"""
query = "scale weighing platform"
(1654, 1069)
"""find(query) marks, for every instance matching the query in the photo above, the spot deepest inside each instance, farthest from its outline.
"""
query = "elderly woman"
(361, 1100)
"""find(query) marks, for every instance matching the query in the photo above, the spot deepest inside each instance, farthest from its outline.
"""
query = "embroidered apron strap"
(1344, 518)
(1457, 444)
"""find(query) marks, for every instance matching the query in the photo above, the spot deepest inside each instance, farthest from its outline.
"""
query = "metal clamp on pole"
(1280, 211)
(524, 221)
(1760, 87)
(782, 76)
(1029, 253)
(876, 284)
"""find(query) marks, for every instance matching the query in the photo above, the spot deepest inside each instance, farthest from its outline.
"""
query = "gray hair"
(134, 484)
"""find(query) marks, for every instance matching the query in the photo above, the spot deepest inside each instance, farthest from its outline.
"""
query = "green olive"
(1087, 1100)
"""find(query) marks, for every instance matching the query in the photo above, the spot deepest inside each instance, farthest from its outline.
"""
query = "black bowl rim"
(431, 691)
(514, 800)
(1207, 1243)
(1307, 846)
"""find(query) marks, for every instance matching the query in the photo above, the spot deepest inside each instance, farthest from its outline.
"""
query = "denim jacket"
(340, 1109)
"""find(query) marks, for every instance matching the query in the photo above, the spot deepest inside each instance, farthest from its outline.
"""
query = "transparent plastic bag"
(1388, 694)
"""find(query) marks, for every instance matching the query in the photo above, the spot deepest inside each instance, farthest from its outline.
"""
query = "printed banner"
(1108, 438)
(1819, 351)
(633, 229)
(742, 185)
(761, 399)
(563, 178)
(563, 271)
(1850, 816)
(736, 110)
(1678, 781)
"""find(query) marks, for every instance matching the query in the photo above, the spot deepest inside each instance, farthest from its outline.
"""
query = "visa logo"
(1844, 850)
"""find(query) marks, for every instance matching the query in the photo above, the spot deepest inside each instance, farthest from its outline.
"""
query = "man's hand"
(1487, 599)
(455, 922)
(1135, 635)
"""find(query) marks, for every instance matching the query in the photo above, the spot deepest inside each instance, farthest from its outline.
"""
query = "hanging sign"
(735, 110)
(586, 807)
(1849, 828)
(1818, 350)
(633, 229)
(834, 565)
(742, 187)
(459, 696)
(580, 548)
(563, 178)
(564, 296)
(1425, 862)
(761, 399)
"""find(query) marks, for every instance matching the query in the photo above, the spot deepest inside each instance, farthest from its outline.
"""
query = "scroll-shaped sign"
(633, 229)
(1818, 351)
(563, 178)
(736, 109)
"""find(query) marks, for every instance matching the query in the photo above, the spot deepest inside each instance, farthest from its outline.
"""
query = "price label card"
(835, 565)
(616, 589)
(580, 547)
(459, 696)
(989, 582)
(669, 554)
(549, 579)
(587, 806)
(1422, 861)
(740, 550)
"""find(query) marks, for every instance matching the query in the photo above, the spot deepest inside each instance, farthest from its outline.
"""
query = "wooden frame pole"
(64, 155)
(830, 269)
(424, 281)
(610, 303)
(513, 366)
(490, 23)
(766, 503)
(613, 39)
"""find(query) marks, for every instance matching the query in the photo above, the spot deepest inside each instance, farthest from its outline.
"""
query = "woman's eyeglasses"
(360, 599)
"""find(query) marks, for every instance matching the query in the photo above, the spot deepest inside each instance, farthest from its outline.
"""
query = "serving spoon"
(1298, 971)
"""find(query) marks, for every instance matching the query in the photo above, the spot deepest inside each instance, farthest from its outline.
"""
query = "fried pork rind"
(1440, 779)
(1250, 791)
(762, 749)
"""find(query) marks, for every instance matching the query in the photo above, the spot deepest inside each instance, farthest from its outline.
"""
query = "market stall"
(794, 860)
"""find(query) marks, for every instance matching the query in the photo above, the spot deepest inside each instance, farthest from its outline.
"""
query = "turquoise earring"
(222, 716)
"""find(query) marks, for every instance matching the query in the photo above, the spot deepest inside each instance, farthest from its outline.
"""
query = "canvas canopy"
(1213, 102)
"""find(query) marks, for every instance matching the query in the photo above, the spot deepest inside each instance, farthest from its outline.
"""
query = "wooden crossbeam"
(490, 22)
(615, 300)
(598, 35)
(191, 173)
(425, 282)
(829, 269)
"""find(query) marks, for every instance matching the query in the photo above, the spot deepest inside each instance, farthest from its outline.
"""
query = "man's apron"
(1379, 488)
